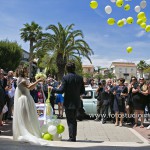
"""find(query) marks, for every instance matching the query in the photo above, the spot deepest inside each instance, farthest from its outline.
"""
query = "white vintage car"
(90, 101)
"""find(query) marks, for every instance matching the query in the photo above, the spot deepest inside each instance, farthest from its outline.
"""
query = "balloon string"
(49, 91)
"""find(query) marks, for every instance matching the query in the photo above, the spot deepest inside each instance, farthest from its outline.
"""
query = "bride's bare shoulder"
(21, 80)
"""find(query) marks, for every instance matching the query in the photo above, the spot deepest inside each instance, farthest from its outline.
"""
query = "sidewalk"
(91, 133)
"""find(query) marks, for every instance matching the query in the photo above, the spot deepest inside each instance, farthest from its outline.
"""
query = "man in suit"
(72, 87)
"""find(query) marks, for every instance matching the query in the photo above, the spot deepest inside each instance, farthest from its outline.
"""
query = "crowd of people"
(7, 91)
(127, 102)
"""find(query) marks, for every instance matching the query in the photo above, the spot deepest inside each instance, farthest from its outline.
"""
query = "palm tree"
(141, 66)
(110, 75)
(31, 32)
(64, 44)
(98, 76)
(147, 70)
(99, 69)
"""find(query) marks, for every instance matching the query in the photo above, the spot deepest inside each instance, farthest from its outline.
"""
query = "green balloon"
(127, 7)
(141, 15)
(144, 19)
(143, 25)
(120, 23)
(111, 21)
(93, 4)
(47, 136)
(139, 21)
(130, 20)
(60, 128)
(147, 29)
(119, 3)
(129, 49)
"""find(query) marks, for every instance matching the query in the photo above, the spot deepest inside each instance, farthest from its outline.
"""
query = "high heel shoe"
(120, 125)
(116, 123)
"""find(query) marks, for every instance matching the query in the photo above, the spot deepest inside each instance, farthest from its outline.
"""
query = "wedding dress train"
(25, 120)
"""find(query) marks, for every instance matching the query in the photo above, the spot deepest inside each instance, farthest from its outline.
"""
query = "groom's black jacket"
(72, 87)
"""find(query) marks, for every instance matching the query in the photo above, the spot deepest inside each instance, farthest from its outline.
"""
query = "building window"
(120, 70)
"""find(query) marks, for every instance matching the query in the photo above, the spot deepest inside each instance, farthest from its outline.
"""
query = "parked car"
(90, 101)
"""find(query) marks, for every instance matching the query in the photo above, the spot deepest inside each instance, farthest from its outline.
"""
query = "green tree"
(109, 75)
(87, 75)
(141, 66)
(99, 68)
(10, 55)
(31, 33)
(147, 70)
(98, 76)
(63, 44)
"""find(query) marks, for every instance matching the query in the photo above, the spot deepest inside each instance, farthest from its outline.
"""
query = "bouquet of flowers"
(40, 75)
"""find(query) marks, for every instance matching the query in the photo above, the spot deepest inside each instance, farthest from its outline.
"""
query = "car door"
(88, 102)
(94, 111)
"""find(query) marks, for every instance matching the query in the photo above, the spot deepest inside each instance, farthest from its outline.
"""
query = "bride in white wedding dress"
(25, 120)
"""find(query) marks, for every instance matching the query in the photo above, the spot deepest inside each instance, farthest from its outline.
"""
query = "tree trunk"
(30, 59)
(141, 73)
(61, 63)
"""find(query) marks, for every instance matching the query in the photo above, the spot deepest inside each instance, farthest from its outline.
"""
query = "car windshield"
(87, 95)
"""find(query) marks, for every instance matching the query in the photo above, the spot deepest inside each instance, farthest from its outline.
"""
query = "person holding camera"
(105, 97)
(99, 90)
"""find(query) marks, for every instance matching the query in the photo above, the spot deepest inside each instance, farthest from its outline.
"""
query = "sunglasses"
(141, 79)
(133, 79)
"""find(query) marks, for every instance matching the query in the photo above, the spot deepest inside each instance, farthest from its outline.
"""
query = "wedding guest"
(60, 101)
(142, 89)
(120, 92)
(2, 98)
(4, 85)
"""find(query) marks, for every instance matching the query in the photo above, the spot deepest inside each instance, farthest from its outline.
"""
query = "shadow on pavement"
(23, 146)
(6, 129)
(86, 141)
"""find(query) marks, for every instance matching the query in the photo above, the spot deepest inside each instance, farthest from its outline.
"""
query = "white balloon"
(108, 9)
(124, 20)
(143, 4)
(137, 9)
(52, 129)
(113, 1)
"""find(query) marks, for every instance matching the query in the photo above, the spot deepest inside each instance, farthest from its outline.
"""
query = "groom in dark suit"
(72, 87)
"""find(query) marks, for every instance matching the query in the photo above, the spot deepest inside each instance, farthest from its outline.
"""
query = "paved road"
(91, 135)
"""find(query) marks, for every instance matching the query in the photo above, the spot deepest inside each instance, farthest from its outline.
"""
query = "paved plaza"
(91, 135)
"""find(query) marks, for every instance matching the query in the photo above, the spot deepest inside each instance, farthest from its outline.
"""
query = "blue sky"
(109, 43)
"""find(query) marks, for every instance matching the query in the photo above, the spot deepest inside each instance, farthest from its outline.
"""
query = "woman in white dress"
(25, 120)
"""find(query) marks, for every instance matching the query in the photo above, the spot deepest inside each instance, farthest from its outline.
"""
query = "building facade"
(88, 69)
(124, 70)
